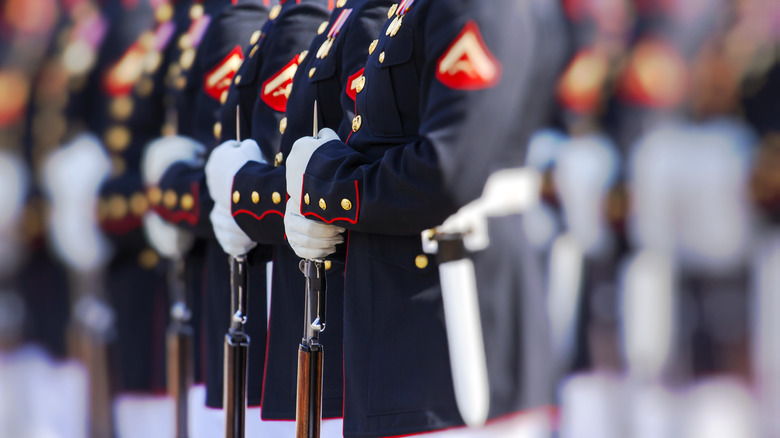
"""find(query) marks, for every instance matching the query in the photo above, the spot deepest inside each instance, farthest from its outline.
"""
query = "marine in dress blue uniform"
(326, 73)
(410, 161)
(212, 51)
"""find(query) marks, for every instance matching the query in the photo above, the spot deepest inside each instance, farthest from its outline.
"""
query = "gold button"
(170, 198)
(276, 197)
(168, 128)
(117, 207)
(254, 50)
(236, 197)
(196, 11)
(187, 201)
(180, 82)
(223, 97)
(275, 12)
(278, 159)
(148, 258)
(323, 205)
(356, 122)
(122, 108)
(346, 204)
(323, 26)
(341, 3)
(382, 57)
(361, 83)
(118, 165)
(372, 46)
(394, 26)
(391, 11)
(117, 138)
(185, 41)
(311, 72)
(163, 13)
(328, 264)
(421, 261)
(255, 37)
(255, 197)
(187, 58)
(302, 56)
(282, 125)
(238, 79)
(152, 61)
(155, 195)
(218, 130)
(306, 199)
(138, 204)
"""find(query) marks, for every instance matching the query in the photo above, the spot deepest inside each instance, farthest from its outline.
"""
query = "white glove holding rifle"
(308, 238)
(223, 164)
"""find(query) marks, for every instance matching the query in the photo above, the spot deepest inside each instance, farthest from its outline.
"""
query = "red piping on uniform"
(122, 226)
(176, 216)
(256, 216)
(345, 219)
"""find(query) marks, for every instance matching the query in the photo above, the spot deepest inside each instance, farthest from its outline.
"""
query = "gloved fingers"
(326, 134)
(314, 229)
(167, 239)
(296, 238)
(231, 238)
(312, 254)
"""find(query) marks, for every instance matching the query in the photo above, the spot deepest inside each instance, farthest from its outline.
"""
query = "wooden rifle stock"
(179, 344)
(236, 353)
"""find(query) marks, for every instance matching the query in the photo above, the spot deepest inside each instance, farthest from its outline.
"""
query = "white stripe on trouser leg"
(204, 422)
(532, 424)
(331, 428)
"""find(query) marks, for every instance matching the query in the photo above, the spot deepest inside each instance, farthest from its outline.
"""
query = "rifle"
(179, 344)
(308, 405)
(236, 342)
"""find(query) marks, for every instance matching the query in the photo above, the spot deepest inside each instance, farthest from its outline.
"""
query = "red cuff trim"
(121, 226)
(256, 216)
(345, 219)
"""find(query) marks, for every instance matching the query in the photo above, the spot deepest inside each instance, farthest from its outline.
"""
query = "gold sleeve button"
(117, 138)
(306, 199)
(170, 198)
(421, 261)
(382, 57)
(155, 195)
(311, 72)
(323, 205)
(117, 207)
(255, 197)
(276, 197)
(148, 258)
(236, 197)
(282, 125)
(328, 264)
(138, 204)
(187, 202)
(346, 204)
(218, 130)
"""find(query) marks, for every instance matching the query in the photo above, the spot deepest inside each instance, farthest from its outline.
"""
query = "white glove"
(72, 177)
(167, 239)
(223, 164)
(231, 237)
(298, 159)
(160, 154)
(13, 187)
(310, 239)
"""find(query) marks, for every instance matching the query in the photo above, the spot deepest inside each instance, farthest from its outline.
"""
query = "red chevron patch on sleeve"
(468, 64)
(354, 83)
(277, 88)
(218, 79)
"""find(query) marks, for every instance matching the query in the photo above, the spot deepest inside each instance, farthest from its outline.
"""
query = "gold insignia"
(275, 12)
(421, 261)
(255, 37)
(328, 264)
(155, 195)
(163, 13)
(117, 138)
(253, 51)
(223, 97)
(391, 11)
(356, 122)
(255, 197)
(382, 57)
(324, 48)
(372, 46)
(278, 159)
(187, 58)
(121, 108)
(236, 197)
(187, 201)
(276, 197)
(148, 258)
(311, 72)
(361, 83)
(323, 26)
(218, 130)
(170, 198)
(282, 125)
(117, 207)
(322, 204)
(394, 26)
(306, 199)
(138, 204)
(238, 79)
(346, 204)
(196, 11)
(341, 3)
